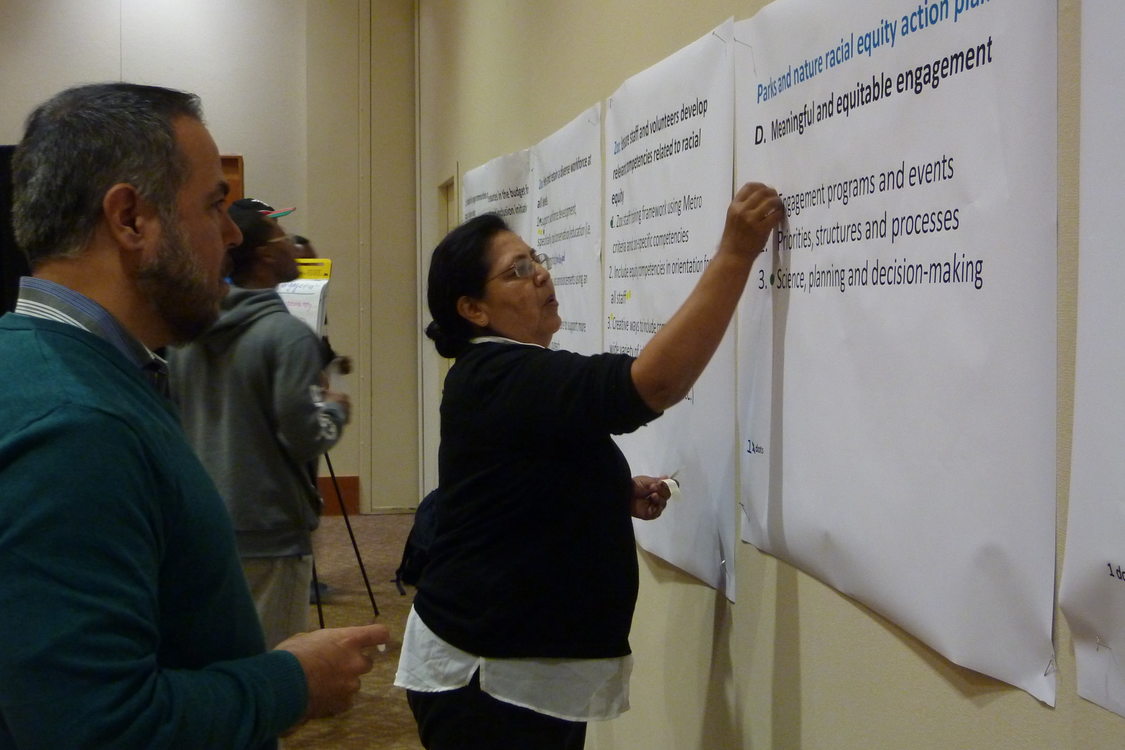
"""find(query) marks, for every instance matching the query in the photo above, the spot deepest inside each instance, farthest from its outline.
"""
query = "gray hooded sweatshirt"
(247, 394)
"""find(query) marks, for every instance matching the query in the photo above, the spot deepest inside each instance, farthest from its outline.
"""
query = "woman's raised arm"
(674, 358)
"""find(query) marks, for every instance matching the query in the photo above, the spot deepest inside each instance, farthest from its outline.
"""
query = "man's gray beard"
(178, 288)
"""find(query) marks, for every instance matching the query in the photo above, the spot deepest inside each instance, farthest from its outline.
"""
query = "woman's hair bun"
(447, 346)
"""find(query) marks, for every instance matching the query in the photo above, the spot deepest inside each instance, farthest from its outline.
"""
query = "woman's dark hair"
(459, 268)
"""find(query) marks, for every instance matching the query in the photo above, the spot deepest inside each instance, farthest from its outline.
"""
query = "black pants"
(470, 719)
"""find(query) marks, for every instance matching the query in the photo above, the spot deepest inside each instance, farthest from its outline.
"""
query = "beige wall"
(360, 91)
(793, 664)
(318, 97)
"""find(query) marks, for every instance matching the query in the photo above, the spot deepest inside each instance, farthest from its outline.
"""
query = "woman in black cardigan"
(519, 632)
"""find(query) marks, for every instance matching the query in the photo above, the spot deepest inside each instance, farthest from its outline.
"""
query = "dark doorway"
(13, 264)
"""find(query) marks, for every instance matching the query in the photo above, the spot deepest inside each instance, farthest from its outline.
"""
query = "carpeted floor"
(380, 718)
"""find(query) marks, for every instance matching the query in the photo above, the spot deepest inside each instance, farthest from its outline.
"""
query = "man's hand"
(343, 400)
(333, 661)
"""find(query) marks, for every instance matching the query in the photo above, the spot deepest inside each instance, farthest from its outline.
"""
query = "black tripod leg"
(351, 534)
(316, 596)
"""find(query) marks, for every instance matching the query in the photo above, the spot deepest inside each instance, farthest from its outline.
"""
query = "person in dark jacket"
(251, 403)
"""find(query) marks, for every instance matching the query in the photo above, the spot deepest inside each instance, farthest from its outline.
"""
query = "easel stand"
(355, 547)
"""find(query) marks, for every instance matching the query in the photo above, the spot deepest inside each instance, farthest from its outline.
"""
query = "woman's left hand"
(650, 495)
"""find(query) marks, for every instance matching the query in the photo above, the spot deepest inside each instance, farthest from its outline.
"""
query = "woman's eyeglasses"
(524, 267)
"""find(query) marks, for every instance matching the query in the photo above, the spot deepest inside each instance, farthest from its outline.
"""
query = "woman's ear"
(473, 310)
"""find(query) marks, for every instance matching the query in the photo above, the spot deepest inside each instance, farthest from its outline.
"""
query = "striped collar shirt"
(39, 298)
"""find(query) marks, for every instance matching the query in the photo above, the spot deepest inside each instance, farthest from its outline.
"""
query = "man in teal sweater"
(127, 622)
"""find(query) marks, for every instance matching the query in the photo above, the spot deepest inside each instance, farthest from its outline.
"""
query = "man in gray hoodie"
(251, 402)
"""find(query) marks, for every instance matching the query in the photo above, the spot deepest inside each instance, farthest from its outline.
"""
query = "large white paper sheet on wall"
(669, 140)
(1092, 592)
(566, 170)
(501, 186)
(897, 345)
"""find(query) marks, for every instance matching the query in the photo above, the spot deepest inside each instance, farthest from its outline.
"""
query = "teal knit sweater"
(124, 618)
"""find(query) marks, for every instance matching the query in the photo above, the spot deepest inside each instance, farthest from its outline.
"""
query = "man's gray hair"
(80, 143)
